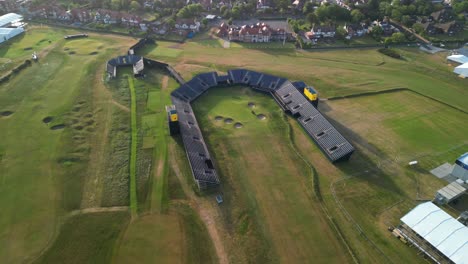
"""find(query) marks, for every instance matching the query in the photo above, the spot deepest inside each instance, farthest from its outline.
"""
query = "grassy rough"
(42, 170)
(133, 149)
(87, 238)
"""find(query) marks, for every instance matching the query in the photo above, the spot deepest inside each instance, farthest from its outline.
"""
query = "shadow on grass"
(9, 43)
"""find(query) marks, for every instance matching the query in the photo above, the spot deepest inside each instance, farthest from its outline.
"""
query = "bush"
(391, 53)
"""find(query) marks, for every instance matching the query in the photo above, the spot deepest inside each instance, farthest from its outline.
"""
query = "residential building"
(187, 25)
(354, 30)
(318, 31)
(260, 32)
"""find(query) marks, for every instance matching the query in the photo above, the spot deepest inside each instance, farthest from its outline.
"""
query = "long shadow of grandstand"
(9, 43)
(361, 165)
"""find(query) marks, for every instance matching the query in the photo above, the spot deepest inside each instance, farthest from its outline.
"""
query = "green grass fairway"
(151, 239)
(414, 124)
(42, 170)
(268, 190)
(166, 238)
(87, 238)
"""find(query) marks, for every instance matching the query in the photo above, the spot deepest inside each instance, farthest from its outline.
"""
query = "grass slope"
(87, 238)
(269, 204)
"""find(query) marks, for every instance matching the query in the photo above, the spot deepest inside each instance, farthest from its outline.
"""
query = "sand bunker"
(251, 105)
(261, 116)
(47, 119)
(6, 113)
(57, 127)
(218, 118)
(238, 125)
(228, 120)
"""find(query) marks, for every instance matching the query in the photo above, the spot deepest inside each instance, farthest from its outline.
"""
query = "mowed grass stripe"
(133, 150)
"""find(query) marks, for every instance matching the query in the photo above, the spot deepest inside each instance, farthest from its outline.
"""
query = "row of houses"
(352, 30)
(103, 16)
(260, 32)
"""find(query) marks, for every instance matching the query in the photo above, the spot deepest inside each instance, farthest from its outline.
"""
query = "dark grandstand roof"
(332, 143)
(127, 60)
(197, 152)
(299, 85)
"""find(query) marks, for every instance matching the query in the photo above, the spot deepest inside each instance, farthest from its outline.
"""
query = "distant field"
(333, 73)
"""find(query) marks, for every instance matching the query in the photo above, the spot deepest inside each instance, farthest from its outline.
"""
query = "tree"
(406, 20)
(171, 22)
(223, 10)
(418, 28)
(204, 22)
(189, 11)
(356, 16)
(115, 4)
(396, 14)
(341, 33)
(377, 32)
(235, 12)
(134, 5)
(308, 7)
(398, 37)
(312, 18)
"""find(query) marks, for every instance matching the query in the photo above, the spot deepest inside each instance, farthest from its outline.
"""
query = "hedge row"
(16, 70)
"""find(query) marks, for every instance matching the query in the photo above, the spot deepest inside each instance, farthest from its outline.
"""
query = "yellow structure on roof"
(310, 94)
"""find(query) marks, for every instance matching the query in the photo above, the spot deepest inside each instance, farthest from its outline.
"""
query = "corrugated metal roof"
(8, 18)
(441, 230)
(458, 58)
(451, 191)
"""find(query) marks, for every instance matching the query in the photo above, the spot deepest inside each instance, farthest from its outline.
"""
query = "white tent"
(9, 18)
(8, 33)
(441, 230)
(462, 70)
(458, 58)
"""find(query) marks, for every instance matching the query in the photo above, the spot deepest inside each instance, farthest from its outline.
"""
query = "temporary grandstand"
(288, 97)
(436, 233)
(285, 93)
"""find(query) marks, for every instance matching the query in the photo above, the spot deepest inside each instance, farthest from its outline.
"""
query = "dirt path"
(165, 81)
(205, 210)
(98, 210)
(123, 107)
(156, 200)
